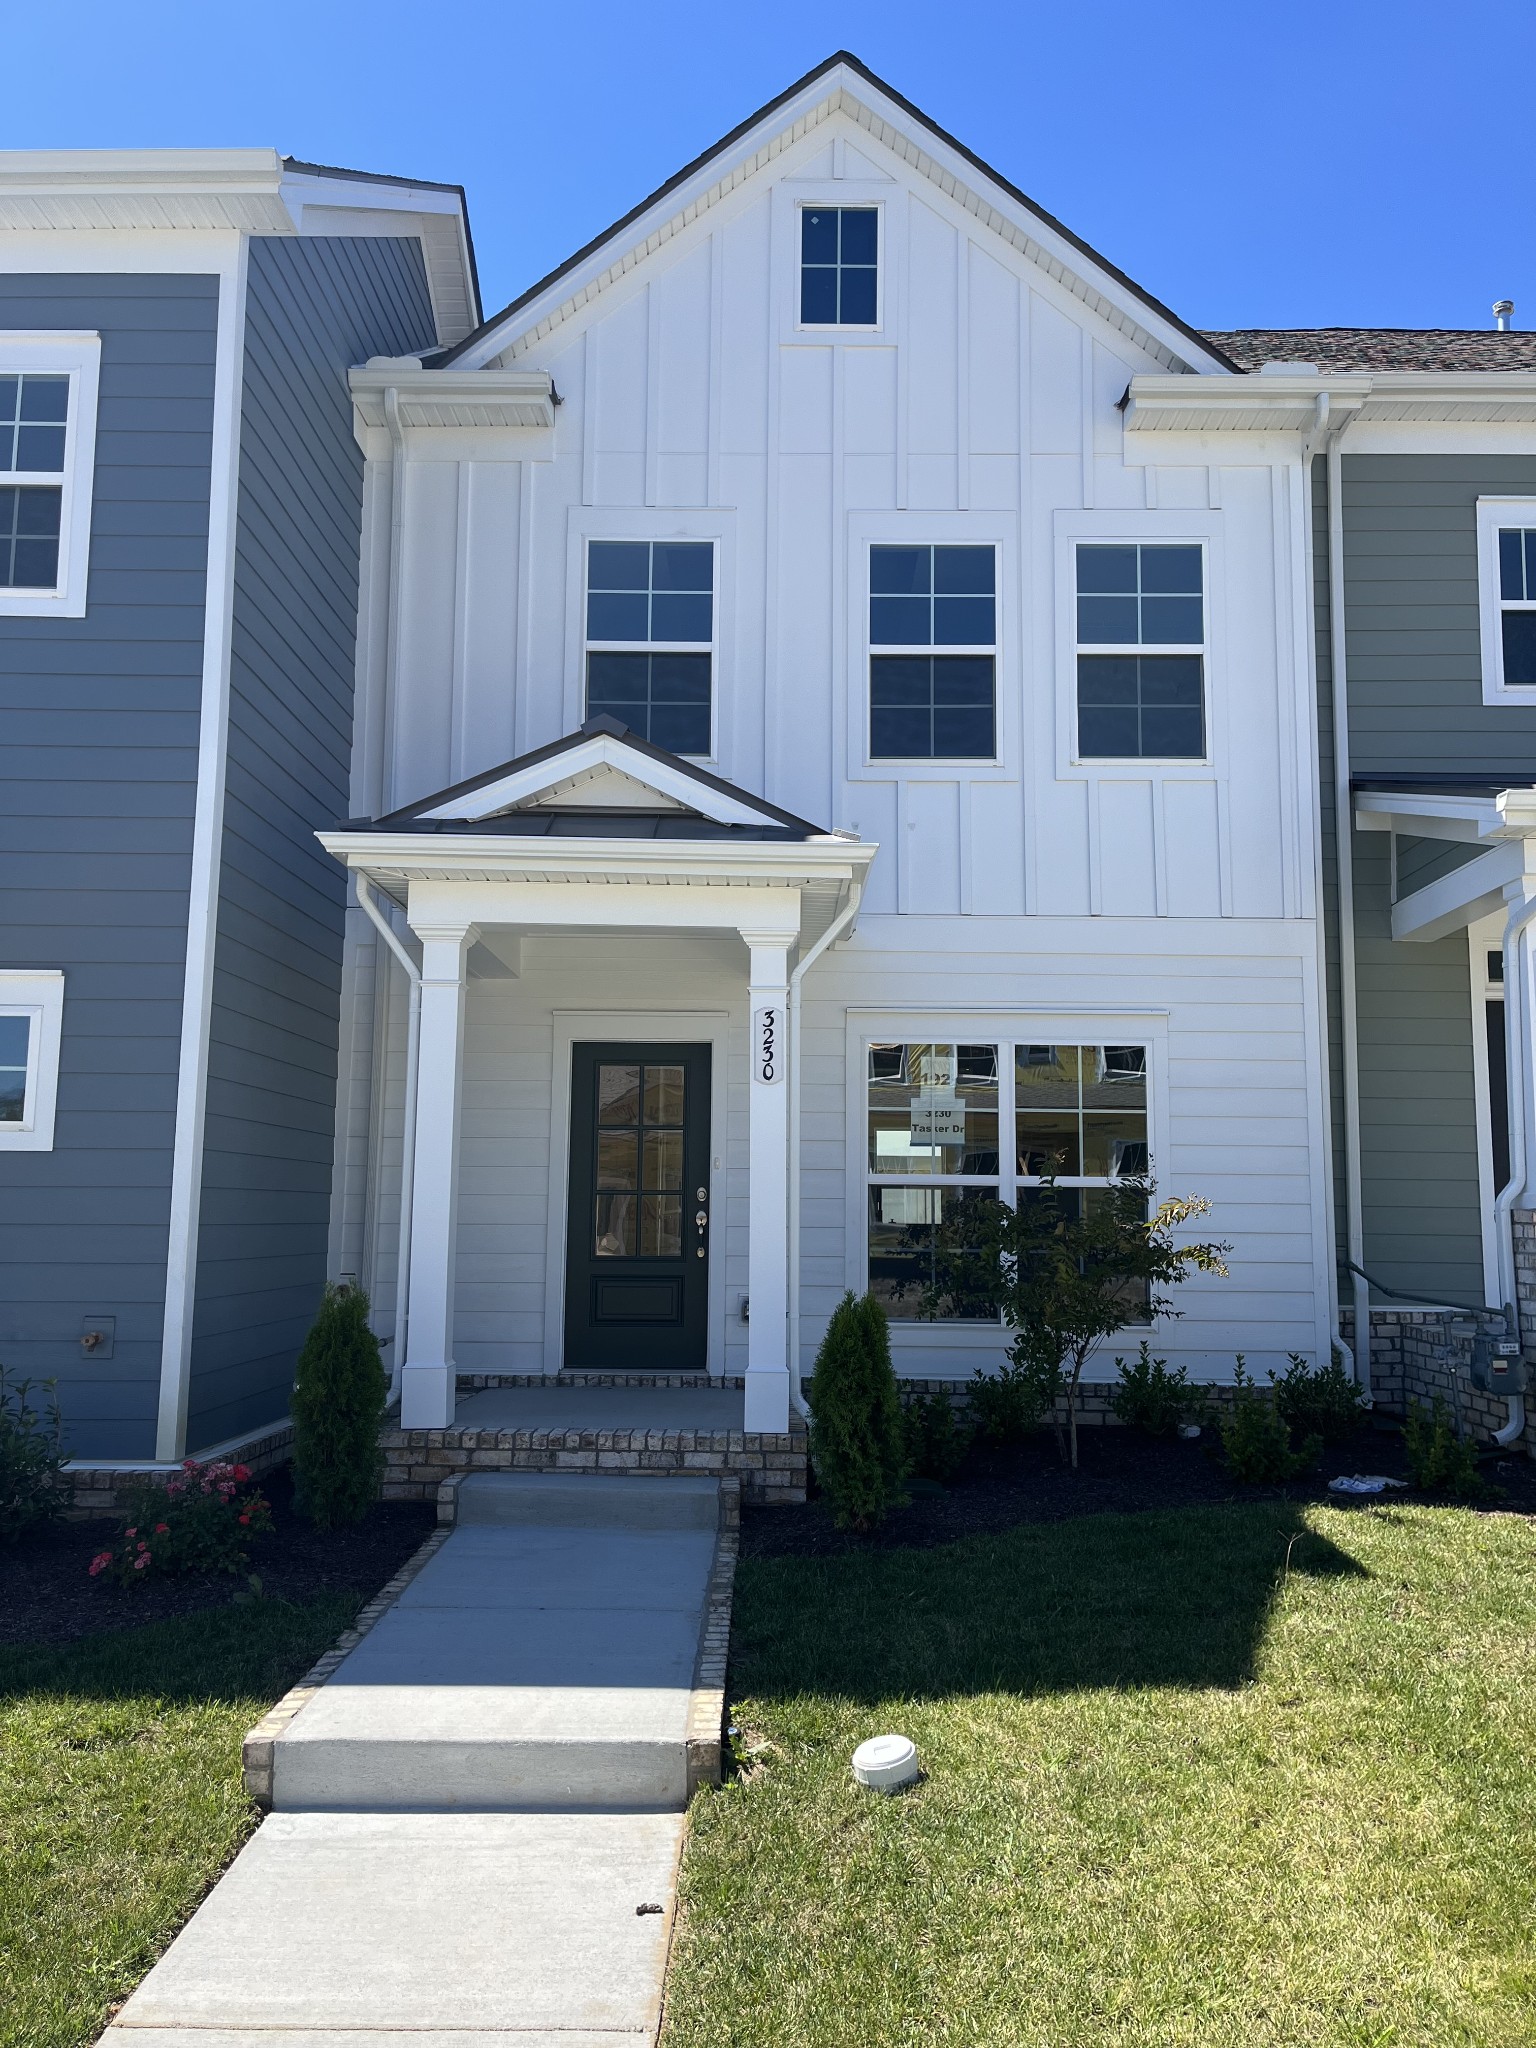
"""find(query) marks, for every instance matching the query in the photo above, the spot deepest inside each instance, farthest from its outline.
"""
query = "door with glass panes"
(638, 1226)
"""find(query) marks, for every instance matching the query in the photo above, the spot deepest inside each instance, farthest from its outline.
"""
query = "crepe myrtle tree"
(1066, 1274)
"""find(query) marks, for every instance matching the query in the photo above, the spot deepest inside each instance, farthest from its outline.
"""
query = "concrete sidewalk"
(476, 1808)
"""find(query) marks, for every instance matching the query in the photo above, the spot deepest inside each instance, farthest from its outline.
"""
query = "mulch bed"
(1120, 1471)
(48, 1596)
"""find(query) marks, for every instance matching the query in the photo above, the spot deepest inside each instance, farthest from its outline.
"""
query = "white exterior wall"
(984, 409)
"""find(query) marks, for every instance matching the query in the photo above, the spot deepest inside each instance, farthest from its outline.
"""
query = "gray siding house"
(180, 506)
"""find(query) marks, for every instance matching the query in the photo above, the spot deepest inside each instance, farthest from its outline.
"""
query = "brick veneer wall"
(771, 1467)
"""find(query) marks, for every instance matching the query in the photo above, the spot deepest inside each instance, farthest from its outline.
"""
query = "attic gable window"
(47, 456)
(839, 266)
(651, 637)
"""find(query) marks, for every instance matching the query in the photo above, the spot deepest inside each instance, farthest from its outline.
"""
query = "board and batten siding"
(314, 306)
(98, 780)
(1416, 708)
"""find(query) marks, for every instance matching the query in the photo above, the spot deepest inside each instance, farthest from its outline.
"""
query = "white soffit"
(531, 788)
(454, 398)
(1262, 403)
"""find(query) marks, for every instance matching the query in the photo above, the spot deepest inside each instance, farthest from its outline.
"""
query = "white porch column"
(768, 1169)
(427, 1379)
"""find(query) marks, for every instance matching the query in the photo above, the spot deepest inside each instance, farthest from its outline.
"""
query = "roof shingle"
(1381, 348)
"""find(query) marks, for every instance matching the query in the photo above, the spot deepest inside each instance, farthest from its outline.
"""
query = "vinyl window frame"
(850, 201)
(588, 646)
(1494, 514)
(77, 356)
(952, 1348)
(897, 764)
(37, 994)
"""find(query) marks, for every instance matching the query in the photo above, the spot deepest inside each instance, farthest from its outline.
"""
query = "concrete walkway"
(477, 1816)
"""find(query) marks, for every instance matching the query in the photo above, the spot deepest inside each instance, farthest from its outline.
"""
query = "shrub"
(1440, 1461)
(32, 1484)
(1256, 1439)
(936, 1443)
(1317, 1401)
(1152, 1398)
(203, 1520)
(1008, 1404)
(339, 1394)
(857, 1439)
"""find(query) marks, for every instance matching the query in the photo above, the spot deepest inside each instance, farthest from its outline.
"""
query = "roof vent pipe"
(1503, 314)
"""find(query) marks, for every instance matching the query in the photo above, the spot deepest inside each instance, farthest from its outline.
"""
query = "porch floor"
(574, 1406)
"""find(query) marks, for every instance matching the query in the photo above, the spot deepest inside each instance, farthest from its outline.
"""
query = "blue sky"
(1349, 164)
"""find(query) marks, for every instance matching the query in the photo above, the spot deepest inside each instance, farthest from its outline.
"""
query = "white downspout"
(1343, 832)
(834, 930)
(1522, 914)
(386, 930)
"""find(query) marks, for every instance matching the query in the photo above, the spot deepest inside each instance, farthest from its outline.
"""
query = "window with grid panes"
(1517, 603)
(34, 424)
(650, 623)
(950, 1122)
(839, 266)
(1140, 652)
(933, 653)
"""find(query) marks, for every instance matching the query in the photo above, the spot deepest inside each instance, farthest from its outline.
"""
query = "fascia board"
(1255, 403)
(1468, 819)
(487, 855)
(840, 89)
(599, 752)
(437, 398)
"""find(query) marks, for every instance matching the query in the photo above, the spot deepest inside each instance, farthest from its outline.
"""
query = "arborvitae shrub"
(857, 1439)
(338, 1405)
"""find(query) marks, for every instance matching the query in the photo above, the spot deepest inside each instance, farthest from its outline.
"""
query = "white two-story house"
(818, 751)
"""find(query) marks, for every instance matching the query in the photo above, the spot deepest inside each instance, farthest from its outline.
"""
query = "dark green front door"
(637, 1237)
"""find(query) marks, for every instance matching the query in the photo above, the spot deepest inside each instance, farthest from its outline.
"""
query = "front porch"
(599, 1423)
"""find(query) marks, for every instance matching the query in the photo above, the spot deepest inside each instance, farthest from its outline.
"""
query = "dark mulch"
(1120, 1471)
(48, 1596)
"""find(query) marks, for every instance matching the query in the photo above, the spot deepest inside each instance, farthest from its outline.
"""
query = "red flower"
(162, 1529)
(242, 1473)
(245, 1521)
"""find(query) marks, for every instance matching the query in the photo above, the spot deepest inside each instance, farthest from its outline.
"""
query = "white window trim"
(998, 530)
(940, 1340)
(944, 649)
(1138, 529)
(1492, 514)
(845, 202)
(789, 196)
(37, 993)
(589, 523)
(77, 356)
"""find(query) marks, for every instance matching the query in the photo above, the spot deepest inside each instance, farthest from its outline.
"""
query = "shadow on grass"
(225, 1654)
(1179, 1598)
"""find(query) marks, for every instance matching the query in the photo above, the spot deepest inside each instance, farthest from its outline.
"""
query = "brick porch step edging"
(706, 1705)
(770, 1467)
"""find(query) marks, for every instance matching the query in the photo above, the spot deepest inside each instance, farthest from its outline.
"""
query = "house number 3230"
(767, 1047)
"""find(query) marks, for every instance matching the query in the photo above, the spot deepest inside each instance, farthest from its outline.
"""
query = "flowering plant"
(202, 1520)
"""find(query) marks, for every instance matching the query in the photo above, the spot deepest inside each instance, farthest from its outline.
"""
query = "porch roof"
(1492, 825)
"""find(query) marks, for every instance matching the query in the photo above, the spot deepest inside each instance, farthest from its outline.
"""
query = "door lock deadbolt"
(701, 1194)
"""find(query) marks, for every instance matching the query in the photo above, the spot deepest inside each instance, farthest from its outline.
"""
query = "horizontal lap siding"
(98, 781)
(313, 308)
(1416, 707)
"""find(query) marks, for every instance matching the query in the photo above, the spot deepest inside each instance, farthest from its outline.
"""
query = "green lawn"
(121, 1800)
(1252, 1775)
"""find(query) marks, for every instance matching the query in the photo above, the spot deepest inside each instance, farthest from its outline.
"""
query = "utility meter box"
(1497, 1366)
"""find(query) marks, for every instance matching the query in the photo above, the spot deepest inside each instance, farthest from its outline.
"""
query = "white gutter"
(386, 930)
(834, 930)
(1343, 833)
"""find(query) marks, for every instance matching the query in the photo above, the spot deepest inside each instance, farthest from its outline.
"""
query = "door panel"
(637, 1228)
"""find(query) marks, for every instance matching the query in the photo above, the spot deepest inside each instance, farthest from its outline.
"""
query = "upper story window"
(651, 638)
(1517, 604)
(839, 266)
(1140, 652)
(47, 453)
(933, 653)
(31, 1020)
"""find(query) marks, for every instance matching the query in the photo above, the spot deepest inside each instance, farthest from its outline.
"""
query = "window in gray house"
(34, 418)
(839, 266)
(651, 638)
(1140, 653)
(1517, 602)
(15, 1041)
(933, 653)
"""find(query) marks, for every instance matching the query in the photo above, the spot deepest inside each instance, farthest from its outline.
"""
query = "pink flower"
(139, 1563)
(100, 1562)
(130, 1532)
(242, 1473)
(162, 1529)
(245, 1521)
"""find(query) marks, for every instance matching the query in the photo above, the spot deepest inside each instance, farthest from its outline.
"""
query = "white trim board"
(38, 994)
(207, 835)
(714, 1028)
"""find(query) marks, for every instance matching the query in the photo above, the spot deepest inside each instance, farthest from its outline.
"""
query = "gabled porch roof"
(1467, 812)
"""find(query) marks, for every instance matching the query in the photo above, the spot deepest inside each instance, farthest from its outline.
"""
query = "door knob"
(701, 1219)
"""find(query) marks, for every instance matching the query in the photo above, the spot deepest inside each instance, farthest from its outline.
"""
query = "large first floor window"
(948, 1123)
